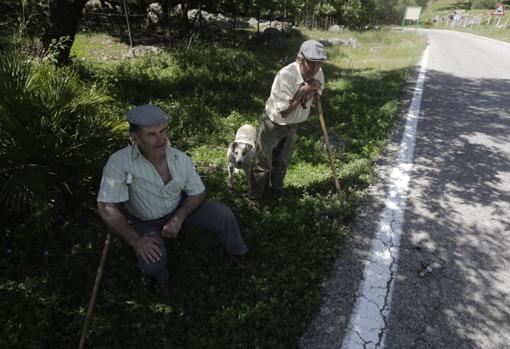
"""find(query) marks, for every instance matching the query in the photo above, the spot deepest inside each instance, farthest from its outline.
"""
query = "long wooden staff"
(92, 300)
(326, 139)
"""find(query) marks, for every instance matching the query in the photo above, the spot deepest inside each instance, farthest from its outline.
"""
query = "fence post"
(129, 29)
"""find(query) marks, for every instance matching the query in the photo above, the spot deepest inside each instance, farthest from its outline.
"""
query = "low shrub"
(53, 139)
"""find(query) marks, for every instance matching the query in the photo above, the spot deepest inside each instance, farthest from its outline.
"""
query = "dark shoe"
(243, 263)
(163, 289)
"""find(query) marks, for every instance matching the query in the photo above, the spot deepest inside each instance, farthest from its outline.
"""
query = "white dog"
(241, 152)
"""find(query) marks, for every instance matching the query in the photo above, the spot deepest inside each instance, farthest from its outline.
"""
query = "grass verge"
(209, 91)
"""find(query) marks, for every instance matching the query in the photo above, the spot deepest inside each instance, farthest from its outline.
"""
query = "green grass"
(380, 50)
(437, 7)
(98, 48)
(293, 242)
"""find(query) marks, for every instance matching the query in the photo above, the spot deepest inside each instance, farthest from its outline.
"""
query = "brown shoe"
(163, 289)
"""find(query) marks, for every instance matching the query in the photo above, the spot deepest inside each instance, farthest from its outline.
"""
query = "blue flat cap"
(312, 50)
(146, 115)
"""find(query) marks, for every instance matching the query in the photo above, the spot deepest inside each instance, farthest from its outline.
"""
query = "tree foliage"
(61, 17)
(483, 4)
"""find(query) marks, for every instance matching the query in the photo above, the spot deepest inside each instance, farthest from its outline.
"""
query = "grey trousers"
(274, 148)
(211, 216)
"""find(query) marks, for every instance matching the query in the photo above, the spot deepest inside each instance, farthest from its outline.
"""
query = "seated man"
(150, 190)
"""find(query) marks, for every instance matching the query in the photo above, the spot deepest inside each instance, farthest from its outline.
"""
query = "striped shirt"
(285, 85)
(130, 178)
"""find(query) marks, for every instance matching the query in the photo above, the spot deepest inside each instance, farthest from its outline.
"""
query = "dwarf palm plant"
(53, 139)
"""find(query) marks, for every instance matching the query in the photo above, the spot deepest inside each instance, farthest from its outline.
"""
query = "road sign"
(412, 13)
(499, 11)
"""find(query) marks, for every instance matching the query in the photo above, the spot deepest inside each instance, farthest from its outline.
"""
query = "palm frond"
(53, 137)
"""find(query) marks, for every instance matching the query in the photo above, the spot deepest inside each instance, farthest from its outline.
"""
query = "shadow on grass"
(293, 242)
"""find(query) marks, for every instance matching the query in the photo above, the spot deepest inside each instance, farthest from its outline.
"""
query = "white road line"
(368, 322)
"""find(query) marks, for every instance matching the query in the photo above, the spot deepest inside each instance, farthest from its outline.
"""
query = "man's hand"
(306, 91)
(149, 248)
(172, 228)
(309, 89)
(314, 84)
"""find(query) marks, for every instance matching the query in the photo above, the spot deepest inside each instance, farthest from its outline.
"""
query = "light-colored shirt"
(130, 178)
(285, 85)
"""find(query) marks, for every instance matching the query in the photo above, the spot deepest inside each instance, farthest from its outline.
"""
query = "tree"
(324, 10)
(63, 23)
(386, 11)
(354, 14)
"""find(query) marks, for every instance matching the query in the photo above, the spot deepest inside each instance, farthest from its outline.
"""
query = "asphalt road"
(450, 286)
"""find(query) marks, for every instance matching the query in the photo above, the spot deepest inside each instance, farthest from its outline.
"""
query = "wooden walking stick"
(92, 300)
(326, 139)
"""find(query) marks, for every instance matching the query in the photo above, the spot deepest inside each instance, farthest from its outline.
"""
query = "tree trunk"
(165, 5)
(235, 18)
(64, 18)
(258, 22)
(284, 17)
(185, 25)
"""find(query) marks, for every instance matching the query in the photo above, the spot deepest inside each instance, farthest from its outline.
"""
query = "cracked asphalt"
(450, 286)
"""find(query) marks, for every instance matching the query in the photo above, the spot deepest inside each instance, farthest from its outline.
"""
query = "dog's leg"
(230, 180)
(248, 169)
(248, 177)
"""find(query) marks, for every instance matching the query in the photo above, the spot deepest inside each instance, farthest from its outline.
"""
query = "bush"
(53, 139)
(463, 4)
(483, 4)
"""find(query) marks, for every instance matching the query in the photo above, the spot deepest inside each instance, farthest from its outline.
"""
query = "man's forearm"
(296, 100)
(116, 222)
(190, 204)
(293, 104)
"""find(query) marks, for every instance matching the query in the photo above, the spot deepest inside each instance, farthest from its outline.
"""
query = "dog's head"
(240, 152)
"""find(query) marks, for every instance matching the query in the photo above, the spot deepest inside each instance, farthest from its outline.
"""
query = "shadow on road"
(457, 221)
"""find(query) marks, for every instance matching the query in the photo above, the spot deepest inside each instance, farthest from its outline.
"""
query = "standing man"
(288, 105)
(149, 191)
